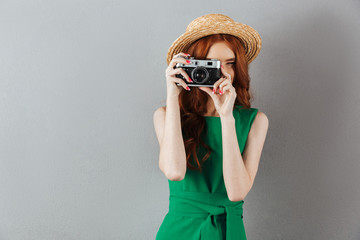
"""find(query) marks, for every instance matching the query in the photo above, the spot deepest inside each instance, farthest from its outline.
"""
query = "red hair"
(193, 103)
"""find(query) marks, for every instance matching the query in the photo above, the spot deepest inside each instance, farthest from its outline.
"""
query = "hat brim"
(246, 34)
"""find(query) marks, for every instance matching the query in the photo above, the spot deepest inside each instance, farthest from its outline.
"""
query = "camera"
(202, 72)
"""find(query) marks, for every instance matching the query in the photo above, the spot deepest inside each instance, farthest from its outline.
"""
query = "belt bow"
(210, 206)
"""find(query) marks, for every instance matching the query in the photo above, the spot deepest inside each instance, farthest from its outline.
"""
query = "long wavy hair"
(193, 103)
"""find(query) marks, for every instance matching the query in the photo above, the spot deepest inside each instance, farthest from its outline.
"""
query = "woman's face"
(226, 56)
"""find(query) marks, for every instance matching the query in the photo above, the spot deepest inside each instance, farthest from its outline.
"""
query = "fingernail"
(213, 90)
(187, 54)
(188, 61)
(220, 92)
(187, 88)
(190, 80)
(222, 66)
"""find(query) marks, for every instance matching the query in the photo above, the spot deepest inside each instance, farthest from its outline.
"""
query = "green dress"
(199, 208)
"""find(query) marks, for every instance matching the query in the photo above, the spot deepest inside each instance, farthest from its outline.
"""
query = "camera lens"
(200, 74)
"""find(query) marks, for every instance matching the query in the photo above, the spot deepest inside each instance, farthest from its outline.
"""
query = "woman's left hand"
(224, 102)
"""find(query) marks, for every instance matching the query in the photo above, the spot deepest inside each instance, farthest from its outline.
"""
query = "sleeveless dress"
(199, 208)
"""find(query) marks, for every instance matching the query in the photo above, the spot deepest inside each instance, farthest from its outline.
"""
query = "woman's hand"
(224, 102)
(172, 89)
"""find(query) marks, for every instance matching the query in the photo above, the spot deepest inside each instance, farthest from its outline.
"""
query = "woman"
(210, 140)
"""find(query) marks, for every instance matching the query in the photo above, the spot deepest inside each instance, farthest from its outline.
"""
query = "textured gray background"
(80, 80)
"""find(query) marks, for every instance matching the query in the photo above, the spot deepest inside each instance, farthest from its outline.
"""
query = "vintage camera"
(202, 72)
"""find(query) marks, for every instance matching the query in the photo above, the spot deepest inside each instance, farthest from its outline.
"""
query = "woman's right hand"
(171, 79)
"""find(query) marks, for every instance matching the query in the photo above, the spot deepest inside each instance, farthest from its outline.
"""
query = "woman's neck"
(210, 109)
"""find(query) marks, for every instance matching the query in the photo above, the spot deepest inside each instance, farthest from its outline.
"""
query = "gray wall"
(80, 80)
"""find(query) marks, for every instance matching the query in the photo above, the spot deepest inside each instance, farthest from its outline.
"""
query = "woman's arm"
(172, 157)
(239, 173)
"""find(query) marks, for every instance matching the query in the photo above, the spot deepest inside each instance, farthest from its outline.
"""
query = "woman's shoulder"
(159, 113)
(160, 109)
(247, 113)
(253, 114)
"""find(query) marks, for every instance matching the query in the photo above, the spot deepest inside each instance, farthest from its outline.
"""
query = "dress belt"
(208, 206)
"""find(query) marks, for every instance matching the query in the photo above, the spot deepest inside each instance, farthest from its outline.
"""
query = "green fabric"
(199, 208)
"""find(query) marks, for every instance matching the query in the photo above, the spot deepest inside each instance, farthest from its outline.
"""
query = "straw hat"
(213, 24)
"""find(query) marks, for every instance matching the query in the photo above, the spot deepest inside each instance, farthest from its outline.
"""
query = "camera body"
(202, 72)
